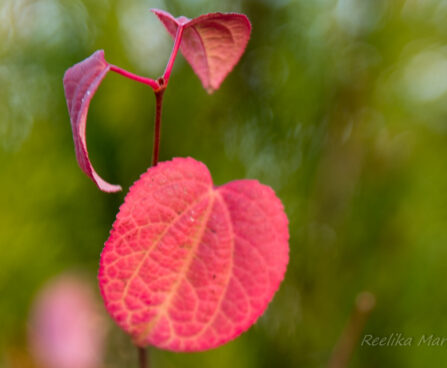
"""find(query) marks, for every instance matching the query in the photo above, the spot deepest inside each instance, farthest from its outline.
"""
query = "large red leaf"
(80, 83)
(212, 43)
(189, 266)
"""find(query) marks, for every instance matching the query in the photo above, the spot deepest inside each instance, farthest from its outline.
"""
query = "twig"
(345, 346)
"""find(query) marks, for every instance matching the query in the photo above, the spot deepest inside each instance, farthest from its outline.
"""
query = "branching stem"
(159, 87)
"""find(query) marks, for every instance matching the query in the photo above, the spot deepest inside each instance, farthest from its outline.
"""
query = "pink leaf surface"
(189, 266)
(80, 83)
(212, 43)
(66, 329)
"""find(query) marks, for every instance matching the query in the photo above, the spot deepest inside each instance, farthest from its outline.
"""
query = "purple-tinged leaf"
(212, 43)
(80, 83)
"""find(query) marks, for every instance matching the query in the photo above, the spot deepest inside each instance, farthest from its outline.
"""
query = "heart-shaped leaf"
(80, 83)
(189, 266)
(212, 43)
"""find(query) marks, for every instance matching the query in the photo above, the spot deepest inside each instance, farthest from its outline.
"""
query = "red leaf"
(212, 43)
(80, 83)
(189, 266)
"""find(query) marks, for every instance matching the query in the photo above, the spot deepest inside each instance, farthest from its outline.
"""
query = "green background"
(340, 106)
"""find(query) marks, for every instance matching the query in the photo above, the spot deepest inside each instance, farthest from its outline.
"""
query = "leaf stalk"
(150, 82)
(178, 39)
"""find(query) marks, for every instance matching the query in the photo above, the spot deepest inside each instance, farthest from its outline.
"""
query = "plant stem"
(349, 338)
(142, 358)
(178, 39)
(159, 87)
(162, 83)
(150, 82)
(157, 126)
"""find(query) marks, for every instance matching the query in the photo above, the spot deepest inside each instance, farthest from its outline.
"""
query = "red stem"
(159, 87)
(157, 126)
(150, 82)
(162, 84)
(142, 358)
(178, 39)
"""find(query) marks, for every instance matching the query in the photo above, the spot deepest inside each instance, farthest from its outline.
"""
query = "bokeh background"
(339, 105)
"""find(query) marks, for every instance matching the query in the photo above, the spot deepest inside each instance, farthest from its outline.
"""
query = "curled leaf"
(212, 43)
(80, 83)
(189, 266)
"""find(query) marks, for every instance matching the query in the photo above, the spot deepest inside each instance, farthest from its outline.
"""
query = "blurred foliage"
(339, 105)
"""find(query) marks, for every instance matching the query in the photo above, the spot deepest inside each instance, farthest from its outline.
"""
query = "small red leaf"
(189, 266)
(80, 83)
(212, 43)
